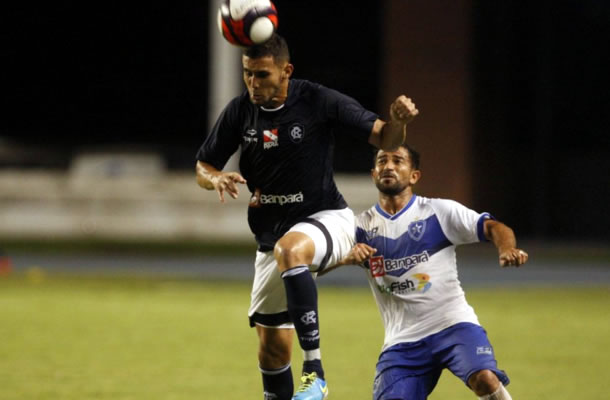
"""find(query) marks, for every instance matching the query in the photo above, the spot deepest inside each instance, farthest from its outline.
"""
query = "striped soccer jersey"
(414, 274)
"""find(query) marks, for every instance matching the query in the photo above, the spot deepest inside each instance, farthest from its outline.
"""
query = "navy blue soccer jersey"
(286, 153)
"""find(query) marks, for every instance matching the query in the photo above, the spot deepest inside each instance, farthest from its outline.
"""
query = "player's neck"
(276, 103)
(279, 99)
(394, 203)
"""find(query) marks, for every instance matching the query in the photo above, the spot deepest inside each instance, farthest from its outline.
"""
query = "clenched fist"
(403, 109)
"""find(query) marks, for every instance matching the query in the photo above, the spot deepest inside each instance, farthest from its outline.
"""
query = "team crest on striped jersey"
(416, 229)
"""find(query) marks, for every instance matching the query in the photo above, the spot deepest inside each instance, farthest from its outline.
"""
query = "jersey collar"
(278, 108)
(399, 213)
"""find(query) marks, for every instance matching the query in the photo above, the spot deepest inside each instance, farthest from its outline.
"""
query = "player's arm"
(389, 135)
(357, 255)
(504, 239)
(211, 178)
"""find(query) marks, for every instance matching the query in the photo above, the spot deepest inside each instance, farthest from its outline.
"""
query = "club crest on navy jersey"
(296, 132)
(416, 229)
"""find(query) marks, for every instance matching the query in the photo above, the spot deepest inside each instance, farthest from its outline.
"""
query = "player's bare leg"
(275, 348)
(487, 386)
(294, 249)
(294, 253)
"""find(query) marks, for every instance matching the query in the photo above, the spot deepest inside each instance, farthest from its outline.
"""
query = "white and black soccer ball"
(247, 22)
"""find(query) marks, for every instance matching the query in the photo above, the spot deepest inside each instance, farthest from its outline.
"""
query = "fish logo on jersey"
(402, 287)
(297, 132)
(416, 229)
(423, 283)
(270, 139)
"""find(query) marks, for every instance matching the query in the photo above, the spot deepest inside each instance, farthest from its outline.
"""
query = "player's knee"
(483, 382)
(293, 249)
(283, 254)
(273, 354)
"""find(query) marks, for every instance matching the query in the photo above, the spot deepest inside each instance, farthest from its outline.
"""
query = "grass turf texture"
(83, 338)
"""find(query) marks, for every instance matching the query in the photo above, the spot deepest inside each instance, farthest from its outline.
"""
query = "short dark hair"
(414, 156)
(275, 47)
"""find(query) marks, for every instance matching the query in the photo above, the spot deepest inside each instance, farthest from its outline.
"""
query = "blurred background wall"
(104, 107)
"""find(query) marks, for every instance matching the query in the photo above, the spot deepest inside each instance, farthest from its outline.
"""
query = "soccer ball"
(247, 22)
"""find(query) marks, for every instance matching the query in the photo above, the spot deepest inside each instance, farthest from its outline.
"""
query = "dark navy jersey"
(286, 154)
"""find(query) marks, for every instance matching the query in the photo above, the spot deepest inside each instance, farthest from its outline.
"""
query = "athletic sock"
(500, 394)
(277, 383)
(302, 298)
(313, 366)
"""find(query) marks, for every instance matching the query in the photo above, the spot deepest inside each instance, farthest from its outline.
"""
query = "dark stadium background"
(134, 75)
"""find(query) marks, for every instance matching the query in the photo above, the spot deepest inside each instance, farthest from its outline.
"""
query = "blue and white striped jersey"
(414, 274)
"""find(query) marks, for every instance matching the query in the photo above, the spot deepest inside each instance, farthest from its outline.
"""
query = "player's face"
(393, 172)
(266, 81)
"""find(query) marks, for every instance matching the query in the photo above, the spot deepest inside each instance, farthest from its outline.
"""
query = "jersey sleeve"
(224, 139)
(362, 221)
(460, 224)
(362, 225)
(347, 113)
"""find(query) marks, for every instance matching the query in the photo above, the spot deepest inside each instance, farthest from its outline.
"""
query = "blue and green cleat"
(311, 388)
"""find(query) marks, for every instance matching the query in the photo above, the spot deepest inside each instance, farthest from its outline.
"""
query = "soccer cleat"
(311, 388)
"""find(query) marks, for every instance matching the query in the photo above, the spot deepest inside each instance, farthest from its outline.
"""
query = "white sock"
(310, 355)
(500, 394)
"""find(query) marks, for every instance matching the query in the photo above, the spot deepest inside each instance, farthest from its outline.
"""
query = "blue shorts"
(410, 371)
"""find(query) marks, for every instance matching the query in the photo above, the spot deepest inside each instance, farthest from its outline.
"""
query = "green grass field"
(142, 339)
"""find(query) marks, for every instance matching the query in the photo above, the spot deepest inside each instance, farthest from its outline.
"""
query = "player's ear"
(287, 71)
(415, 175)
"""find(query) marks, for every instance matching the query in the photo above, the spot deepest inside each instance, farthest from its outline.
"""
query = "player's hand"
(227, 182)
(513, 257)
(403, 110)
(359, 253)
(356, 256)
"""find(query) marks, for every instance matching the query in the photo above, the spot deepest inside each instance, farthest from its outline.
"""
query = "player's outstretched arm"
(389, 135)
(504, 239)
(357, 255)
(210, 178)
